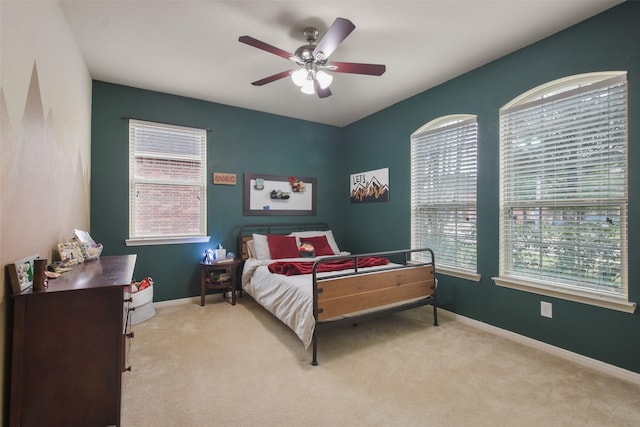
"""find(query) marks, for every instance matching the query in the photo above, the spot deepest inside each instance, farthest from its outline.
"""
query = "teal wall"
(240, 141)
(609, 41)
(248, 141)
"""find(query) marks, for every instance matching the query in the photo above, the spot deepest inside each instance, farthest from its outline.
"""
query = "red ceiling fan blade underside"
(337, 32)
(355, 68)
(272, 78)
(341, 67)
(267, 47)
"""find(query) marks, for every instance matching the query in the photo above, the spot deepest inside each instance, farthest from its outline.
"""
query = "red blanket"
(291, 268)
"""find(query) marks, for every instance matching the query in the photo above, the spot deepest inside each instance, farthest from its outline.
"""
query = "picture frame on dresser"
(70, 253)
(21, 273)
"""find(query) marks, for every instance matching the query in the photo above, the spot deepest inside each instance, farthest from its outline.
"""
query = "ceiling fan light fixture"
(324, 79)
(299, 77)
(308, 88)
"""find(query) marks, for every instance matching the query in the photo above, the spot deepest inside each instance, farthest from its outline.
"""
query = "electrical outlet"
(546, 309)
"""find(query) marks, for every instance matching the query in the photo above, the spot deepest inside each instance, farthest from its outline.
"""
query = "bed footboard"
(352, 294)
(366, 294)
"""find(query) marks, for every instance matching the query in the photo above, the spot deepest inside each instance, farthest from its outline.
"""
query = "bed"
(314, 286)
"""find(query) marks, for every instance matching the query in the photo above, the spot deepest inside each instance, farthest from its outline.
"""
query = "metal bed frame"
(345, 293)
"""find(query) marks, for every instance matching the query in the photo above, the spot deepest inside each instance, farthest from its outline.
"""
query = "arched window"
(563, 190)
(443, 192)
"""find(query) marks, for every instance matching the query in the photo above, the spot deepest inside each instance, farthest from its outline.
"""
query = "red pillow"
(320, 244)
(281, 246)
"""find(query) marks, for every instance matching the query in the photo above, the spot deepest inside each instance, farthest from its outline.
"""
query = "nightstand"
(220, 275)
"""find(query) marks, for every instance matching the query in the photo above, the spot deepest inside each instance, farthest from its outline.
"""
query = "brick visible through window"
(167, 180)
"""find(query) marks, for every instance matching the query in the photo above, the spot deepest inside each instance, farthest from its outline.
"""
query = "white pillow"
(328, 233)
(261, 246)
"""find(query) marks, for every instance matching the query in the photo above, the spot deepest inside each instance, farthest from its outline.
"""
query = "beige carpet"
(223, 365)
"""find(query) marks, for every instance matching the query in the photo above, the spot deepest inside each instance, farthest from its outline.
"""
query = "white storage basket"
(142, 302)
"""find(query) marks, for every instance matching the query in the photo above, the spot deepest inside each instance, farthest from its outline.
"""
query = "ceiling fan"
(312, 59)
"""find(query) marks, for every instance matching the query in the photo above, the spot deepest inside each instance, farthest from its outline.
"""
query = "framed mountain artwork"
(371, 186)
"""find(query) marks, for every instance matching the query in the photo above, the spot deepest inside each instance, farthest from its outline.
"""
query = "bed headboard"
(246, 231)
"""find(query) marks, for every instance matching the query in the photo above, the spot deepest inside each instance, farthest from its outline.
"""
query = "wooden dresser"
(68, 347)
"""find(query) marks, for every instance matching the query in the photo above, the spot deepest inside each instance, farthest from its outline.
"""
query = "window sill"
(611, 303)
(166, 240)
(462, 274)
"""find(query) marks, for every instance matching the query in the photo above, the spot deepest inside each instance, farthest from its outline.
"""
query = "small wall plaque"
(224, 178)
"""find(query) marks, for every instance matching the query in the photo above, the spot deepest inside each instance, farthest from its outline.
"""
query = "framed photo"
(84, 237)
(89, 249)
(70, 253)
(21, 273)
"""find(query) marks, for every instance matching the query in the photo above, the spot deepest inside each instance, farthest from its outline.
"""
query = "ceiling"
(190, 47)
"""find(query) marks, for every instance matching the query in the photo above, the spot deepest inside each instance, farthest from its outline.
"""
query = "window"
(167, 183)
(443, 193)
(563, 190)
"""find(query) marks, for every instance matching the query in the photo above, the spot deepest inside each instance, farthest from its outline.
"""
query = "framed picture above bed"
(279, 195)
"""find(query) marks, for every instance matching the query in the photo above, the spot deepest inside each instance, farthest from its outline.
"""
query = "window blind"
(167, 180)
(563, 188)
(443, 191)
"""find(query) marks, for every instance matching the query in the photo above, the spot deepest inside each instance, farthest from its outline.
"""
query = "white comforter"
(289, 298)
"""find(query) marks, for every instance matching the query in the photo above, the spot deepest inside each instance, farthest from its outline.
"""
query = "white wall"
(45, 135)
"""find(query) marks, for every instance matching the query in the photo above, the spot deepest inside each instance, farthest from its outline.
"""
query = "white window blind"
(563, 187)
(443, 190)
(167, 181)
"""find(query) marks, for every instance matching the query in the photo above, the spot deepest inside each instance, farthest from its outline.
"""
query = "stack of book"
(219, 277)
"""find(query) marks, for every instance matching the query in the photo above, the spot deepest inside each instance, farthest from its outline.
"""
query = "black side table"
(227, 266)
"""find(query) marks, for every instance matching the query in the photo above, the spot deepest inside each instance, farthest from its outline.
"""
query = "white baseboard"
(579, 359)
(169, 303)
